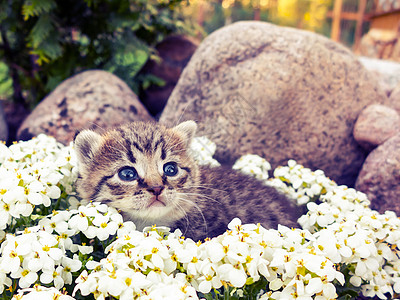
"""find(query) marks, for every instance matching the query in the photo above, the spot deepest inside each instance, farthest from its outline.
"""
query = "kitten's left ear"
(186, 129)
(86, 144)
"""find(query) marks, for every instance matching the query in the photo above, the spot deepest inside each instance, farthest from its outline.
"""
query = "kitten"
(145, 170)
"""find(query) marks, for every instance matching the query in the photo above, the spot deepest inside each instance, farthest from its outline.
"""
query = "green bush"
(43, 42)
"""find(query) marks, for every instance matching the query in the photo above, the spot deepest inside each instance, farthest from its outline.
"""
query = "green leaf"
(40, 31)
(150, 79)
(48, 50)
(32, 8)
(6, 88)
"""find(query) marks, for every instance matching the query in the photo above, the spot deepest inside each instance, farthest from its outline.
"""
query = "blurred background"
(43, 42)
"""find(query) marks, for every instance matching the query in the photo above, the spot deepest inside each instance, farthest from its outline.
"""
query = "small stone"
(379, 177)
(376, 124)
(90, 99)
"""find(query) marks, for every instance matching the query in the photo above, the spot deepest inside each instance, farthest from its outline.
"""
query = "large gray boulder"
(278, 92)
(89, 99)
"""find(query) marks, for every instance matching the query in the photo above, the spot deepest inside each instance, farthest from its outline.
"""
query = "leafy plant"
(46, 41)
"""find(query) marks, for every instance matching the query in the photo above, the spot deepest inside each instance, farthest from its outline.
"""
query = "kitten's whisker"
(97, 125)
(201, 196)
(178, 151)
(180, 208)
(180, 117)
(206, 187)
(198, 208)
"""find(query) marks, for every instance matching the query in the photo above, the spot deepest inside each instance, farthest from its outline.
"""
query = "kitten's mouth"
(156, 202)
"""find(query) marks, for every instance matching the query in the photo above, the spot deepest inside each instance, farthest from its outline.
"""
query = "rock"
(92, 98)
(175, 52)
(375, 124)
(278, 92)
(3, 125)
(379, 177)
(395, 95)
(387, 72)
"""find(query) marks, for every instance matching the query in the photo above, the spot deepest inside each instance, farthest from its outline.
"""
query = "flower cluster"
(41, 292)
(36, 255)
(203, 150)
(139, 265)
(32, 174)
(286, 258)
(344, 248)
(364, 243)
(47, 253)
(253, 165)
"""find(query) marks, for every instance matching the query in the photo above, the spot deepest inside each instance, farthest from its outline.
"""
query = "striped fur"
(201, 201)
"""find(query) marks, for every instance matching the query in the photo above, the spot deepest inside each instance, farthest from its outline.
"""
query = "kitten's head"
(143, 169)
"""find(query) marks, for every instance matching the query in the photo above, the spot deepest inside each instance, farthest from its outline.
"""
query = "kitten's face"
(142, 169)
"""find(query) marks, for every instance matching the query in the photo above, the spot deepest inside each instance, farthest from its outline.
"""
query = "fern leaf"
(40, 31)
(6, 89)
(33, 8)
(49, 50)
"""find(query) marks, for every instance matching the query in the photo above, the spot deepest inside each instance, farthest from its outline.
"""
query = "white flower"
(85, 283)
(106, 227)
(253, 165)
(40, 292)
(235, 274)
(202, 150)
(70, 265)
(4, 281)
(25, 276)
(79, 222)
(51, 275)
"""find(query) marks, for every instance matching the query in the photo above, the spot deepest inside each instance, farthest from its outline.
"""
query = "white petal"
(35, 198)
(355, 280)
(314, 286)
(205, 287)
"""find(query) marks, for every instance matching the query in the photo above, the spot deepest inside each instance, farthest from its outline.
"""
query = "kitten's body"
(145, 170)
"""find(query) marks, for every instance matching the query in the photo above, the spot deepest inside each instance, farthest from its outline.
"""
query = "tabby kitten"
(146, 171)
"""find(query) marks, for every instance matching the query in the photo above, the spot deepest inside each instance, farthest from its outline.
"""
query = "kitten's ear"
(187, 130)
(86, 143)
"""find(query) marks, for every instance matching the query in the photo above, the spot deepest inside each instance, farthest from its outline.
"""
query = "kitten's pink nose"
(156, 190)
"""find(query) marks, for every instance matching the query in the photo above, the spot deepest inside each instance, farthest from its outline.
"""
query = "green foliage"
(5, 82)
(46, 41)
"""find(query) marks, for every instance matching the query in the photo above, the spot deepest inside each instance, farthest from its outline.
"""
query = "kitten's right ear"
(86, 143)
(187, 130)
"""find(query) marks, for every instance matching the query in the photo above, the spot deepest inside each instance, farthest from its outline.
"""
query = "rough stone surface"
(387, 72)
(379, 177)
(89, 99)
(3, 125)
(395, 96)
(175, 52)
(278, 92)
(375, 124)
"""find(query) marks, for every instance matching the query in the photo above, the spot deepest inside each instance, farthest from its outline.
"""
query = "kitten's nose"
(156, 190)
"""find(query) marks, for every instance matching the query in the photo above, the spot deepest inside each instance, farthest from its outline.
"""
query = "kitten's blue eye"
(171, 169)
(128, 174)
